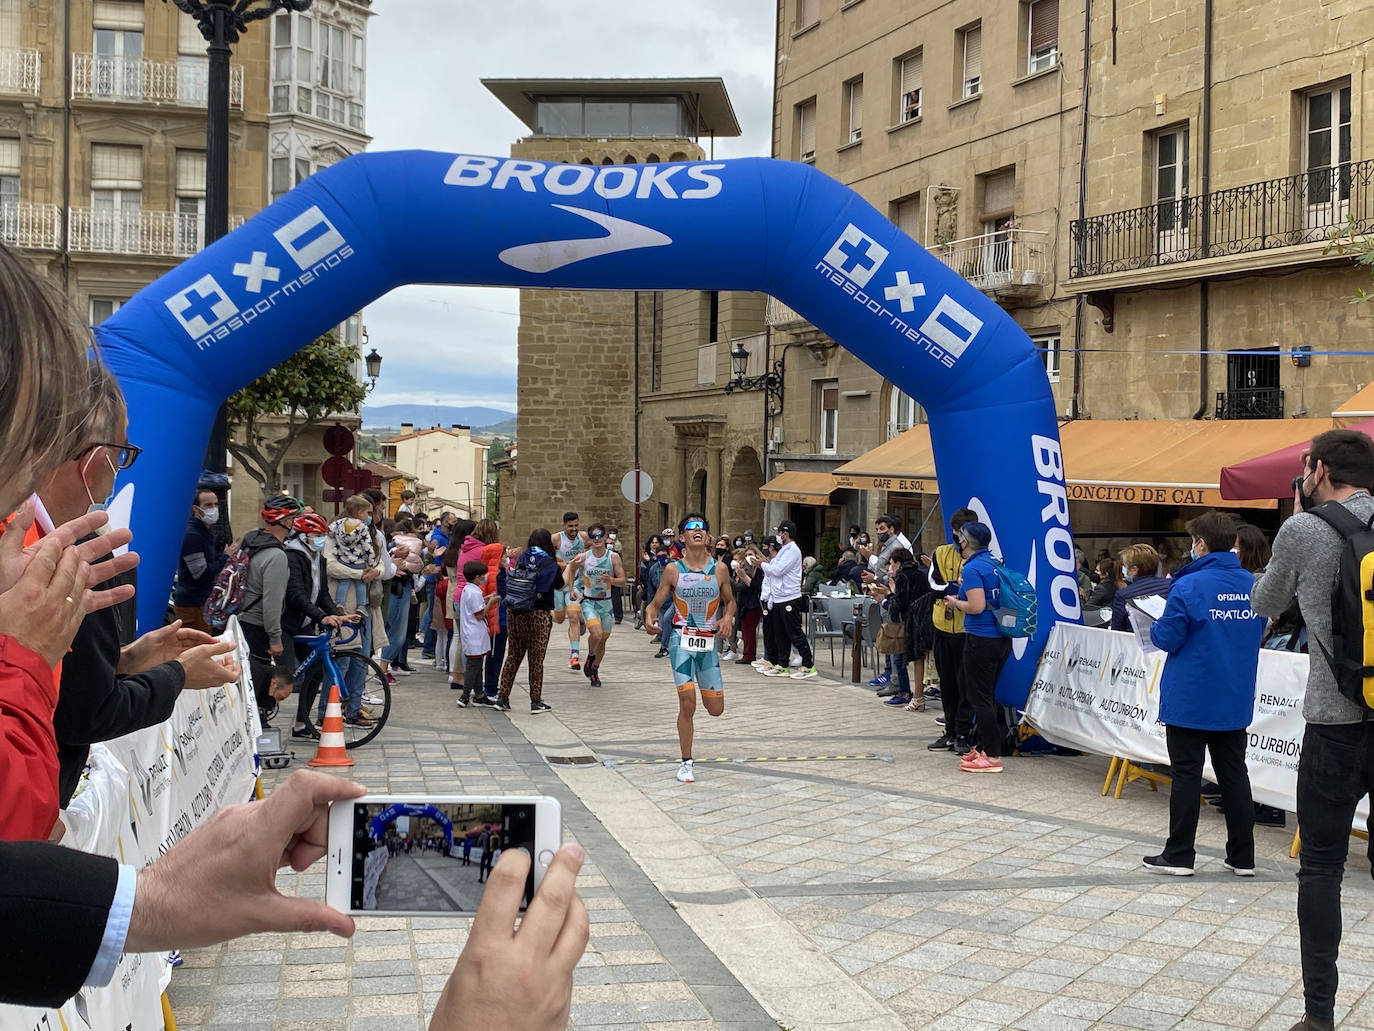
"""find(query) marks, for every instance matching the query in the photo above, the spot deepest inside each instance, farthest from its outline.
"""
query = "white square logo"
(856, 254)
(201, 306)
(309, 237)
(959, 329)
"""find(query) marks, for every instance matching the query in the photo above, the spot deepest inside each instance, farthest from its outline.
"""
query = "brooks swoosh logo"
(554, 254)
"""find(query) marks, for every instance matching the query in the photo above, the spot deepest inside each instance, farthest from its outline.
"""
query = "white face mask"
(99, 506)
(209, 516)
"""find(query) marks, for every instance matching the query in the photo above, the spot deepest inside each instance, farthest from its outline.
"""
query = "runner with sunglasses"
(702, 602)
(592, 574)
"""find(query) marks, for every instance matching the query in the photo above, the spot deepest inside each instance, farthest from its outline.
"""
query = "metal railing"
(168, 234)
(1250, 403)
(186, 82)
(1296, 209)
(35, 226)
(780, 316)
(1005, 260)
(20, 71)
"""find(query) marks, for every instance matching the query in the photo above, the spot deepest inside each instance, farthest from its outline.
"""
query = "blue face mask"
(663, 560)
(367, 521)
(1192, 555)
(317, 543)
(1125, 577)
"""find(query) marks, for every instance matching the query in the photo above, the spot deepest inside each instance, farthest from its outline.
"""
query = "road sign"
(334, 494)
(627, 486)
(337, 472)
(338, 440)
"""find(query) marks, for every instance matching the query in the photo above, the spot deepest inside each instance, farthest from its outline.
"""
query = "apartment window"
(971, 47)
(909, 72)
(1042, 35)
(827, 415)
(117, 65)
(103, 307)
(1048, 346)
(902, 412)
(9, 191)
(712, 314)
(11, 25)
(808, 13)
(806, 131)
(854, 108)
(190, 201)
(1326, 156)
(1171, 192)
(280, 176)
(305, 63)
(906, 216)
(116, 197)
(193, 66)
(999, 202)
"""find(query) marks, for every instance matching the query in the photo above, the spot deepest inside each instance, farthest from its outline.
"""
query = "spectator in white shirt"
(784, 623)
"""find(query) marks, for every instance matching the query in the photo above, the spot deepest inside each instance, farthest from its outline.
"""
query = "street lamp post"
(221, 22)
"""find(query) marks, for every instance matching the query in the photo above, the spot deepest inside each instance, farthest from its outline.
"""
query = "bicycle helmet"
(310, 523)
(279, 508)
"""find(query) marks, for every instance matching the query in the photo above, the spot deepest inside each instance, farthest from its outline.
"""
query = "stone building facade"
(577, 349)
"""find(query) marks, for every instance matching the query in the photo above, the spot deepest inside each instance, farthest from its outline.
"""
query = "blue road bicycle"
(376, 690)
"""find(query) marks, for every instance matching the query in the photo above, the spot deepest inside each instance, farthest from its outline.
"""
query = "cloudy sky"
(425, 60)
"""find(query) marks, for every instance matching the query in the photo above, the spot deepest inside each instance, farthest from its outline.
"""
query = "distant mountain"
(424, 416)
(502, 429)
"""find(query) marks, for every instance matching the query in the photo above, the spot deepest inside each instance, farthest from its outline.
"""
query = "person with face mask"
(308, 606)
(1139, 563)
(199, 563)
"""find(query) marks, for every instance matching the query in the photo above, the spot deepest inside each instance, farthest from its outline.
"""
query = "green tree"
(272, 411)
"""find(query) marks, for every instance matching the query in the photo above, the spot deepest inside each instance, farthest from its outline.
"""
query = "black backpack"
(522, 584)
(1351, 657)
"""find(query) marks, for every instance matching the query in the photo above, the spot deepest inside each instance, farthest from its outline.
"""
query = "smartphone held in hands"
(419, 855)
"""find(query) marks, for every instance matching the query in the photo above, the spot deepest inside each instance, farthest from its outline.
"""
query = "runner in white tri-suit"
(570, 543)
(702, 601)
(592, 574)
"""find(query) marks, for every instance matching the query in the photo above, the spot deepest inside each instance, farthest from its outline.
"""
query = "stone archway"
(697, 496)
(743, 508)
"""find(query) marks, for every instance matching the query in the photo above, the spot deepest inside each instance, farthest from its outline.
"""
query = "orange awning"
(1139, 462)
(799, 488)
(1357, 409)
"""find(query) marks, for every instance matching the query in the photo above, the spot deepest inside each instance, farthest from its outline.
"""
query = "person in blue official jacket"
(1207, 694)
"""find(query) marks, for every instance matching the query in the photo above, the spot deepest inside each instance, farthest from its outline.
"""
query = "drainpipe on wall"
(1204, 359)
(1076, 409)
(66, 216)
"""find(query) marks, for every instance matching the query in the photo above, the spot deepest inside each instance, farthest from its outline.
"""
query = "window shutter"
(9, 157)
(706, 365)
(119, 14)
(911, 74)
(807, 134)
(999, 192)
(189, 40)
(115, 167)
(190, 173)
(856, 105)
(830, 399)
(909, 217)
(973, 53)
(1044, 24)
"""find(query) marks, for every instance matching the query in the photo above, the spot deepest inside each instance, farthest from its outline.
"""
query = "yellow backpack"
(948, 565)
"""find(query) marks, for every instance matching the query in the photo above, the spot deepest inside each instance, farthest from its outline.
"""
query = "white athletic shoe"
(684, 772)
(775, 671)
(373, 699)
(727, 656)
(761, 664)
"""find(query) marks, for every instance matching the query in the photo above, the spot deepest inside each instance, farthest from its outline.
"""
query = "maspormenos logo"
(852, 263)
(209, 312)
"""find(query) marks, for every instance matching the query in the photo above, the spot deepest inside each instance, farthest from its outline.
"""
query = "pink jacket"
(407, 552)
(469, 551)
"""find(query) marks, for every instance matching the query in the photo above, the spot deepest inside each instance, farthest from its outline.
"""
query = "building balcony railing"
(1008, 263)
(1263, 216)
(185, 82)
(20, 71)
(780, 316)
(1250, 403)
(165, 234)
(34, 226)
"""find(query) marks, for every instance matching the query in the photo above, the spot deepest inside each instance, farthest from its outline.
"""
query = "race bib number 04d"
(698, 640)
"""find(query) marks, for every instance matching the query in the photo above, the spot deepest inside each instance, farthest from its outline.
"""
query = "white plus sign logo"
(904, 291)
(201, 306)
(255, 271)
(856, 254)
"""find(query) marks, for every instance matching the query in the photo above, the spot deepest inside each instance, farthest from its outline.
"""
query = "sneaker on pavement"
(962, 746)
(971, 754)
(939, 721)
(981, 763)
(898, 699)
(943, 743)
(804, 673)
(357, 721)
(538, 707)
(1239, 871)
(596, 680)
(1158, 864)
(684, 772)
(881, 680)
(426, 655)
(484, 699)
(888, 690)
(932, 692)
(776, 671)
(405, 669)
(760, 664)
(503, 706)
(744, 662)
(390, 678)
(727, 656)
(574, 663)
(463, 700)
(307, 731)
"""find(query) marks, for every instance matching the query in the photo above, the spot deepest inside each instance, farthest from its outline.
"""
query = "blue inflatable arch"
(378, 221)
(388, 816)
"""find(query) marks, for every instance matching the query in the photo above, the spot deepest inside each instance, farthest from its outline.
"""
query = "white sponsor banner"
(144, 793)
(1095, 690)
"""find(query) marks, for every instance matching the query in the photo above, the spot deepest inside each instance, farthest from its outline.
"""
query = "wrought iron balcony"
(1250, 403)
(1010, 263)
(20, 71)
(1285, 212)
(184, 82)
(33, 226)
(164, 234)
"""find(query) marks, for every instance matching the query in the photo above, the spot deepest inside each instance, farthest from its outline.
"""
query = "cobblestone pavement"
(828, 871)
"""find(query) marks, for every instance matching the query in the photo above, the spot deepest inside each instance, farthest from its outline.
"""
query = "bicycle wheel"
(374, 686)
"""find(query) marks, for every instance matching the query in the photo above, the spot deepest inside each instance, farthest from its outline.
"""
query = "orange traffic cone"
(331, 751)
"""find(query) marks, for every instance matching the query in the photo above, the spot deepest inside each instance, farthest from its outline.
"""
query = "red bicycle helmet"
(310, 523)
(279, 508)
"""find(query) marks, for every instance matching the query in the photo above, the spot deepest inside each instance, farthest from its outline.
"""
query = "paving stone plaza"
(792, 888)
